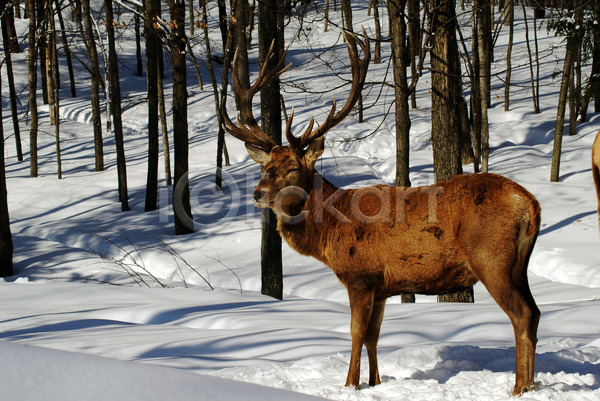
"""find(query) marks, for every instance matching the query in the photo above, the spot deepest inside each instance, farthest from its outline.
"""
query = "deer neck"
(304, 224)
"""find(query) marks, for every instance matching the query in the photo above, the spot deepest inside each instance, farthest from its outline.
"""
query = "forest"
(77, 46)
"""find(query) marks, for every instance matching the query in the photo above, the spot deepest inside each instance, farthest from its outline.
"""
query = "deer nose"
(259, 194)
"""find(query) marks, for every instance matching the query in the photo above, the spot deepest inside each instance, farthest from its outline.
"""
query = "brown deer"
(596, 169)
(383, 240)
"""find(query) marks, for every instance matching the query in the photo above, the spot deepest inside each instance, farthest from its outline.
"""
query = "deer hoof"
(518, 391)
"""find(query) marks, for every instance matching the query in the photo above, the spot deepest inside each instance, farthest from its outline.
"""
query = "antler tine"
(296, 143)
(255, 137)
(359, 72)
(252, 134)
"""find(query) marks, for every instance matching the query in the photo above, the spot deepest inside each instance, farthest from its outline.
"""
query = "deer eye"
(292, 170)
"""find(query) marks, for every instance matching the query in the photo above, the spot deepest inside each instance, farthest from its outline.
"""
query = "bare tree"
(447, 100)
(152, 54)
(6, 243)
(8, 48)
(181, 191)
(270, 35)
(96, 82)
(115, 105)
(32, 83)
(509, 20)
(484, 46)
(400, 56)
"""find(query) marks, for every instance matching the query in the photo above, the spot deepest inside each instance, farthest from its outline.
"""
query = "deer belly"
(427, 279)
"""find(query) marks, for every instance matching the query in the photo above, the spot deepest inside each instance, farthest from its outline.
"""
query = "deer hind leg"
(371, 340)
(361, 308)
(510, 290)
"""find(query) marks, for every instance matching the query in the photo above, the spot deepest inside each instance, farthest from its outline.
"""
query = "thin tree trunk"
(377, 55)
(115, 105)
(192, 17)
(32, 97)
(326, 22)
(537, 64)
(41, 46)
(11, 88)
(414, 40)
(67, 51)
(6, 243)
(536, 107)
(164, 128)
(240, 45)
(510, 18)
(152, 54)
(476, 96)
(95, 85)
(396, 12)
(213, 80)
(139, 71)
(181, 192)
(484, 80)
(271, 255)
(560, 115)
(53, 80)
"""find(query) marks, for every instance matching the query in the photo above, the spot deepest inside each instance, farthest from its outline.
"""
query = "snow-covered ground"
(111, 305)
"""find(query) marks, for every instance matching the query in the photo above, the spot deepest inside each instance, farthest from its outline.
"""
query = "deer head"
(289, 170)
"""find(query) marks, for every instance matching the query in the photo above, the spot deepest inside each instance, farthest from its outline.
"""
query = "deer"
(596, 169)
(383, 240)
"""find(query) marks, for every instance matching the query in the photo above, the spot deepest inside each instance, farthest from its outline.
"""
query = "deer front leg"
(372, 339)
(361, 307)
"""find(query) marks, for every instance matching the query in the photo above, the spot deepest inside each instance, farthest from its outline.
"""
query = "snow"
(107, 304)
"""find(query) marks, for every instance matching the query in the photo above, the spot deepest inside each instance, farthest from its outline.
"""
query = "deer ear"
(314, 151)
(257, 154)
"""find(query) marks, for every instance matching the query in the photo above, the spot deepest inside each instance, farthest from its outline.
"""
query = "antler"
(252, 133)
(359, 72)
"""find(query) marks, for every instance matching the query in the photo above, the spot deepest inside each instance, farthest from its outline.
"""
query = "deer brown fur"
(382, 240)
(596, 169)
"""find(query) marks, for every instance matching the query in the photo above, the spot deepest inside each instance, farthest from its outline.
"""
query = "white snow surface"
(110, 305)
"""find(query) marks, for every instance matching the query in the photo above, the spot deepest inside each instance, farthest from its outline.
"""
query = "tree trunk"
(446, 101)
(414, 40)
(152, 54)
(11, 86)
(66, 49)
(560, 115)
(346, 6)
(138, 46)
(596, 58)
(483, 31)
(400, 56)
(486, 47)
(115, 105)
(41, 46)
(377, 55)
(475, 97)
(213, 80)
(181, 191)
(95, 85)
(536, 107)
(396, 12)
(53, 86)
(510, 18)
(32, 97)
(240, 45)
(271, 261)
(6, 244)
(164, 128)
